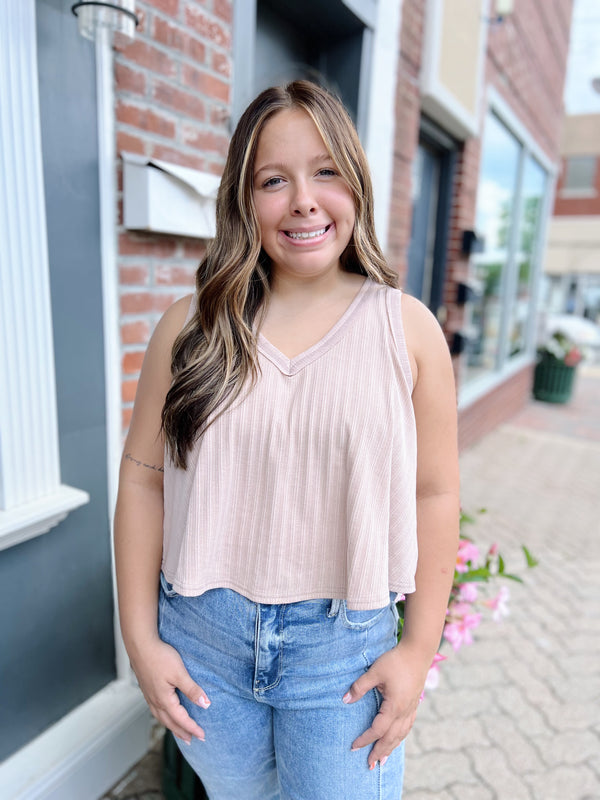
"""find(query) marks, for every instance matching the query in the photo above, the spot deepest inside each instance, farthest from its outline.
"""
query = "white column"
(31, 496)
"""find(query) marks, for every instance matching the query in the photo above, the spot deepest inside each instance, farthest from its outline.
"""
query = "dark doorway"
(433, 171)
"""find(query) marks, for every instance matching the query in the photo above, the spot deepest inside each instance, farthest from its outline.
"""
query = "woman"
(305, 408)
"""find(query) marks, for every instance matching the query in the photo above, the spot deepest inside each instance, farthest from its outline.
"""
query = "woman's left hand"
(400, 685)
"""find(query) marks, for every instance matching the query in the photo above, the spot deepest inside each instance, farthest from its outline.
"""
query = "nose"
(304, 201)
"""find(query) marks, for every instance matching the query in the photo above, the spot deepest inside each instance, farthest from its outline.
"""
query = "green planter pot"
(179, 781)
(553, 381)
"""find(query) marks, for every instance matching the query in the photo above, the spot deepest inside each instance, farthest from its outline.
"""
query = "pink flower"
(467, 592)
(457, 610)
(433, 676)
(459, 632)
(467, 552)
(499, 604)
(493, 551)
(573, 357)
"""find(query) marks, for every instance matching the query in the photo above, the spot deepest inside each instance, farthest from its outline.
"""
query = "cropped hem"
(326, 592)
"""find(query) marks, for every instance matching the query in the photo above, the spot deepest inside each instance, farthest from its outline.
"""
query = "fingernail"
(204, 702)
(383, 760)
(188, 741)
(347, 697)
(372, 765)
(354, 749)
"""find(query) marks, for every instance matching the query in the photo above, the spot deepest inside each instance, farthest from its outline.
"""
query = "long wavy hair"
(214, 356)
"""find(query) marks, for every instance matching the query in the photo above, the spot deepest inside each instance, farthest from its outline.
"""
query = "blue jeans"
(277, 728)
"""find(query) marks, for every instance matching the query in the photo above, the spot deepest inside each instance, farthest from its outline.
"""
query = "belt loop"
(334, 608)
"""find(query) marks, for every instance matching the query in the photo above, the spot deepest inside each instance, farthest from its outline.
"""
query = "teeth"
(308, 235)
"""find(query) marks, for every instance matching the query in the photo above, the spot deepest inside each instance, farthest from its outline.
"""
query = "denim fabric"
(277, 728)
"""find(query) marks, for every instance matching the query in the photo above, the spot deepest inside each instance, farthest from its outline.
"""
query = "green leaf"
(531, 560)
(480, 574)
(466, 519)
(500, 565)
(512, 577)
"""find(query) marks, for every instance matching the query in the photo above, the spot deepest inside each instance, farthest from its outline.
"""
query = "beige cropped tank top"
(306, 486)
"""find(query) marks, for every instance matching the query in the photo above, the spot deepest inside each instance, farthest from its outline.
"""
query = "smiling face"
(305, 208)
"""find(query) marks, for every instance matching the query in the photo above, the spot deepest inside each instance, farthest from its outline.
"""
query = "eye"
(327, 172)
(271, 182)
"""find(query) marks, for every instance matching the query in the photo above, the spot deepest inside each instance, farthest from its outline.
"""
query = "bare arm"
(139, 538)
(400, 674)
(438, 503)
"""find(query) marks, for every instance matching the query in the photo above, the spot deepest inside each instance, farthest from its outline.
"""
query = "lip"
(307, 242)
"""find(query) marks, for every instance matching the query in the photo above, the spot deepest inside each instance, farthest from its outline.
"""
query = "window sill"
(38, 517)
(577, 194)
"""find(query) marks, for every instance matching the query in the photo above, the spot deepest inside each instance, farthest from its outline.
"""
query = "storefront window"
(510, 196)
(495, 210)
(534, 185)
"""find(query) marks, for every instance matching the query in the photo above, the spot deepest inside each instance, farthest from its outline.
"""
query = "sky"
(584, 59)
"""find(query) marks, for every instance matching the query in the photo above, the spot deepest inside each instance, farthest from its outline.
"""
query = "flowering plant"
(560, 347)
(468, 602)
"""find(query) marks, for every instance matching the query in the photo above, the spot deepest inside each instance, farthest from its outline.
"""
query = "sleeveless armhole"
(394, 310)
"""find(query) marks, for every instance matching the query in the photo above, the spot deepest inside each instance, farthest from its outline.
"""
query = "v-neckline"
(291, 366)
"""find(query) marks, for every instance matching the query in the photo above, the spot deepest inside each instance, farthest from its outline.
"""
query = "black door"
(432, 193)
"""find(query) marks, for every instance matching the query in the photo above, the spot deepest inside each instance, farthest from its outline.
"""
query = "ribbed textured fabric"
(306, 487)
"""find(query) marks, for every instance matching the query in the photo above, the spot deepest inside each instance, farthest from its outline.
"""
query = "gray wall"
(56, 618)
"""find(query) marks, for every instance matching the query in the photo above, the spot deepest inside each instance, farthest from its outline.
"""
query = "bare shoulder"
(422, 330)
(425, 340)
(171, 322)
(144, 437)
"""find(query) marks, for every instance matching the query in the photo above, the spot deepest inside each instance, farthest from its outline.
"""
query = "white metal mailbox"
(166, 198)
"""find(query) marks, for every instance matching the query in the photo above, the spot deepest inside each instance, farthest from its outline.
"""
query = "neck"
(292, 288)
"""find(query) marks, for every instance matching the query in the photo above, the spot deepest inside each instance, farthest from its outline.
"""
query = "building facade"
(110, 155)
(572, 264)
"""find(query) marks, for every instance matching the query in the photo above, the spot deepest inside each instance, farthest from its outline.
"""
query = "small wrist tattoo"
(155, 467)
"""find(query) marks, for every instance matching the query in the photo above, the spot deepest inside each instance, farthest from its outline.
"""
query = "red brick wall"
(407, 131)
(497, 406)
(173, 101)
(577, 206)
(526, 63)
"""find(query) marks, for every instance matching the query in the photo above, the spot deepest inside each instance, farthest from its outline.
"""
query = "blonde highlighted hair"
(214, 356)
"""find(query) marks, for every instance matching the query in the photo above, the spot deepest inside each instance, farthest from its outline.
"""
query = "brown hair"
(214, 356)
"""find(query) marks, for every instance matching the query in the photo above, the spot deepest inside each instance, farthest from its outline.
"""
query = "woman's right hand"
(160, 671)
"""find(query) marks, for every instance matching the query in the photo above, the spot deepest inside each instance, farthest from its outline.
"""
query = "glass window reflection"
(494, 220)
(533, 190)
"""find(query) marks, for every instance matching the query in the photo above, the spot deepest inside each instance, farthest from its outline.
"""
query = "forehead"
(289, 128)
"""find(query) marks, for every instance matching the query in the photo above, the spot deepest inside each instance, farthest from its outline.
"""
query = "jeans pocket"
(360, 619)
(167, 587)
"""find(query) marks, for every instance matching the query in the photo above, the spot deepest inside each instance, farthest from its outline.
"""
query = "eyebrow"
(279, 166)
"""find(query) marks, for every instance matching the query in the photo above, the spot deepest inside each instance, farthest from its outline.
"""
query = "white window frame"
(473, 390)
(32, 498)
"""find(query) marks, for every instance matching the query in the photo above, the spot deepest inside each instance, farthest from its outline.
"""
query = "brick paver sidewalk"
(517, 714)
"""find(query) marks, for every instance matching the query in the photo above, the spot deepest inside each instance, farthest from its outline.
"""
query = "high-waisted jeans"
(277, 728)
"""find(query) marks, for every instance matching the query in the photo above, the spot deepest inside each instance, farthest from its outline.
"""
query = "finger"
(361, 686)
(180, 733)
(386, 745)
(192, 691)
(379, 727)
(173, 714)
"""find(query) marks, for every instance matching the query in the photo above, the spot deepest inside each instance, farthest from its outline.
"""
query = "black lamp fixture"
(472, 243)
(118, 17)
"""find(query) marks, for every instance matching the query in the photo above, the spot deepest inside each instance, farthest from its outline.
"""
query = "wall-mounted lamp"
(118, 17)
(503, 9)
(472, 243)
